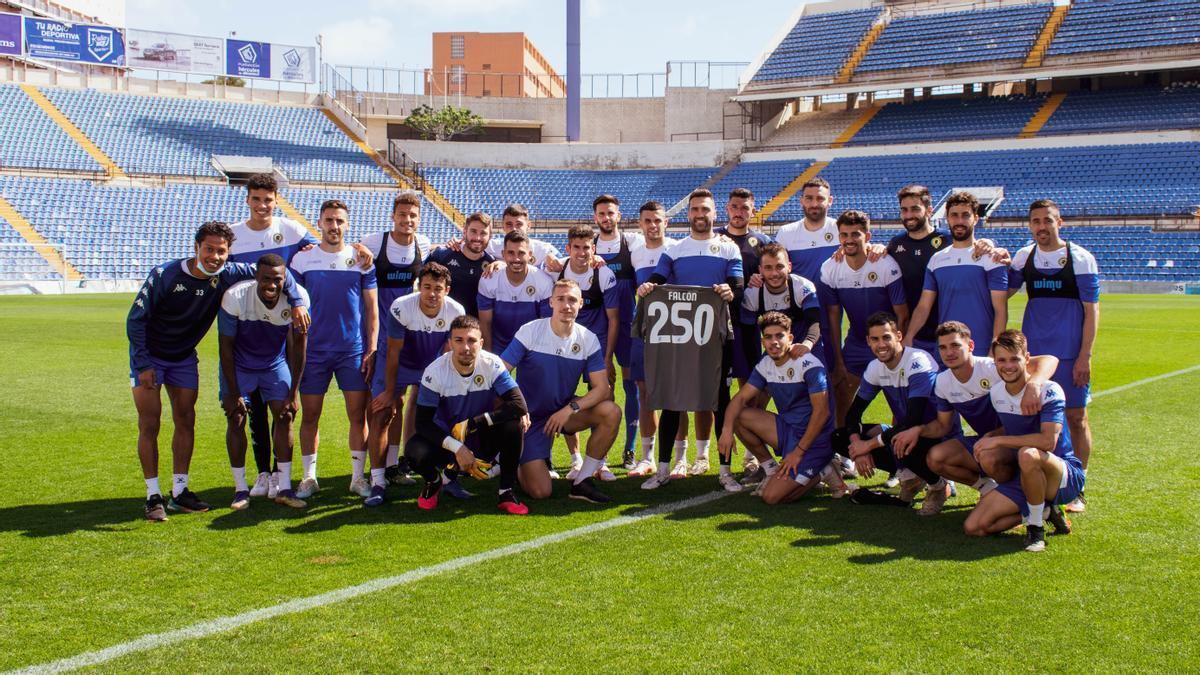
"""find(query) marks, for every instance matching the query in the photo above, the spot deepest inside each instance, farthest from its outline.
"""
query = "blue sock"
(632, 410)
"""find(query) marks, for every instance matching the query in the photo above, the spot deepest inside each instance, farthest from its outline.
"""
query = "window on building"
(458, 47)
(457, 75)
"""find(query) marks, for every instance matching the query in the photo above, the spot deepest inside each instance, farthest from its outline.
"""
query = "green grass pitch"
(729, 585)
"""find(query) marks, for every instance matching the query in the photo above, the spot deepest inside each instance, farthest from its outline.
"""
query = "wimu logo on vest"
(1048, 284)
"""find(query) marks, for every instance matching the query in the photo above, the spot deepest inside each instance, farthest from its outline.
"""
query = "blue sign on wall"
(10, 34)
(78, 42)
(247, 59)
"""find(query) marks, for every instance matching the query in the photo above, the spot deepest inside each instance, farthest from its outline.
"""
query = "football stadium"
(868, 351)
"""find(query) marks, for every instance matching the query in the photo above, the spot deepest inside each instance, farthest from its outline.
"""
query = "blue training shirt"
(514, 305)
(700, 262)
(549, 367)
(424, 336)
(460, 397)
(964, 286)
(808, 250)
(259, 332)
(283, 237)
(791, 384)
(335, 282)
(1054, 325)
(874, 287)
(913, 377)
(970, 399)
(1054, 406)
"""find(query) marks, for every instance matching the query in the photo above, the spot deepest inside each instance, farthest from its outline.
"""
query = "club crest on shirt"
(753, 241)
(714, 248)
(278, 238)
(1062, 262)
(791, 373)
(214, 281)
(828, 236)
(936, 242)
(478, 380)
(530, 290)
(440, 323)
(349, 262)
(985, 384)
(871, 276)
(575, 348)
(286, 313)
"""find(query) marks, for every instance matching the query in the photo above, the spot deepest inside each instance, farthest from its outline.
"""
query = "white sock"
(681, 451)
(358, 461)
(648, 443)
(575, 456)
(978, 485)
(768, 464)
(1035, 513)
(702, 449)
(310, 466)
(377, 477)
(283, 477)
(393, 455)
(239, 478)
(726, 470)
(664, 468)
(179, 483)
(590, 466)
(152, 487)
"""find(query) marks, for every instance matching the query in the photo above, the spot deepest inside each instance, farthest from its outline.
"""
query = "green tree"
(226, 80)
(443, 124)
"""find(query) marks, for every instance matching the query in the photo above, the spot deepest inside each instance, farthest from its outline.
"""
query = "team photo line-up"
(466, 358)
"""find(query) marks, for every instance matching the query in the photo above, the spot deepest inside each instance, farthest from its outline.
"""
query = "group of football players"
(467, 358)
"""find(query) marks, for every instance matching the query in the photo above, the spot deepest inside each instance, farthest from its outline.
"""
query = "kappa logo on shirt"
(901, 249)
(453, 263)
(178, 288)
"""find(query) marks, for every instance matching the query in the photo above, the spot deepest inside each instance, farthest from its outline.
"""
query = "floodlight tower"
(573, 77)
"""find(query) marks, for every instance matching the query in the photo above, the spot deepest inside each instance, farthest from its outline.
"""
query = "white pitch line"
(1148, 380)
(228, 623)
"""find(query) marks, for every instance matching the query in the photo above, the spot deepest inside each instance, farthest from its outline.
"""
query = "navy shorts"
(321, 367)
(184, 373)
(1077, 397)
(815, 458)
(272, 384)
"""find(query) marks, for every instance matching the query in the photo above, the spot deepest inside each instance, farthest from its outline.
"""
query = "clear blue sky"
(619, 36)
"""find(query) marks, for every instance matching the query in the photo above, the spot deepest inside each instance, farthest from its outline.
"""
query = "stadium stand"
(1107, 25)
(177, 137)
(1124, 252)
(28, 138)
(817, 46)
(561, 194)
(764, 179)
(18, 259)
(1128, 180)
(956, 38)
(951, 119)
(1176, 107)
(120, 232)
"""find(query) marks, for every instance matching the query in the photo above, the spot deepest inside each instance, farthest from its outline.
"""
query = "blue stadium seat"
(817, 46)
(1107, 25)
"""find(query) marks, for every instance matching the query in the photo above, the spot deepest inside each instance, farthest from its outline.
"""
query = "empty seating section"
(956, 38)
(370, 211)
(1129, 180)
(18, 259)
(818, 45)
(1176, 107)
(121, 232)
(178, 137)
(764, 179)
(1124, 252)
(946, 120)
(561, 194)
(29, 138)
(1106, 25)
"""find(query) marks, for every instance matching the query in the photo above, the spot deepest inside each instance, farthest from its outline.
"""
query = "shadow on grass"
(94, 515)
(899, 533)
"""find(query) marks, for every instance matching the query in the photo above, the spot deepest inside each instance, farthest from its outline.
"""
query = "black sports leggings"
(260, 431)
(885, 460)
(505, 439)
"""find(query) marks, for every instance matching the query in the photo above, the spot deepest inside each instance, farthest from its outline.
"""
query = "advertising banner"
(78, 42)
(293, 64)
(247, 59)
(175, 52)
(10, 34)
